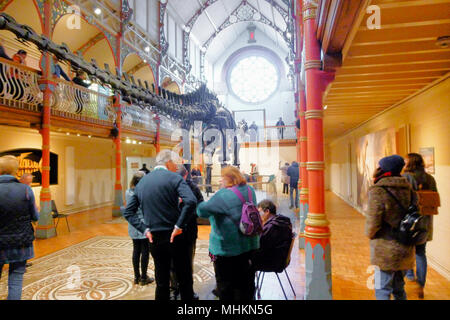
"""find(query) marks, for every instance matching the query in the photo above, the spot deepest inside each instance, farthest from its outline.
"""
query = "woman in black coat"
(17, 210)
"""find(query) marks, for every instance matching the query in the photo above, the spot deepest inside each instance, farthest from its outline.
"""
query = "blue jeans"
(421, 265)
(389, 282)
(291, 195)
(15, 279)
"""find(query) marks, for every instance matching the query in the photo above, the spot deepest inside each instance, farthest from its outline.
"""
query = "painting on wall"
(428, 157)
(369, 150)
(30, 162)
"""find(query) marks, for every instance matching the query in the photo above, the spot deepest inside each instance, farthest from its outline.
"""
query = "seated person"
(275, 240)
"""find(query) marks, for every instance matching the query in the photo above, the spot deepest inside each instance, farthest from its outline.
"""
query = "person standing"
(230, 250)
(20, 57)
(280, 124)
(420, 180)
(253, 132)
(293, 173)
(191, 227)
(58, 71)
(27, 179)
(285, 178)
(390, 257)
(144, 168)
(17, 211)
(158, 194)
(141, 247)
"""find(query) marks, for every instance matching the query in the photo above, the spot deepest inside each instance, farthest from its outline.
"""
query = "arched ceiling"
(204, 19)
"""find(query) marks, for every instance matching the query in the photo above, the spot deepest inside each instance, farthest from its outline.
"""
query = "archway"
(135, 66)
(24, 12)
(170, 85)
(89, 40)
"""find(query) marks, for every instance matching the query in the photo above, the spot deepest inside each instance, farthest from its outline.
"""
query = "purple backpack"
(250, 223)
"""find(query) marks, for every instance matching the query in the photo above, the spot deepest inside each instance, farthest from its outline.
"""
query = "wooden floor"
(350, 253)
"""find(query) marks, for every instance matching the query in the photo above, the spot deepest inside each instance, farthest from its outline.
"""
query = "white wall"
(280, 104)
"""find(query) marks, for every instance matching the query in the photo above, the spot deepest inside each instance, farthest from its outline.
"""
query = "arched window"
(253, 79)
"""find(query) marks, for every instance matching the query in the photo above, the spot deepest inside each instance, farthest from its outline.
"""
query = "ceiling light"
(128, 140)
(134, 142)
(140, 142)
(147, 49)
(67, 133)
(325, 107)
(288, 35)
(78, 134)
(89, 136)
(98, 11)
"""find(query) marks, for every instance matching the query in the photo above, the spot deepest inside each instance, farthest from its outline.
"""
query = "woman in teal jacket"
(230, 250)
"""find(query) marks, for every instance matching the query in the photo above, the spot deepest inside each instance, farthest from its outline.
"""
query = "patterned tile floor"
(111, 271)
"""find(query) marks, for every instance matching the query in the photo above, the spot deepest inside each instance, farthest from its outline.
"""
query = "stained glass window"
(254, 79)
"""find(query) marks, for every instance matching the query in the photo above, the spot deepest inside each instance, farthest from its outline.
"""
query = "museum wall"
(91, 182)
(421, 122)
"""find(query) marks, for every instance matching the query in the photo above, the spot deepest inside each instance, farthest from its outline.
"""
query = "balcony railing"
(19, 86)
(76, 102)
(135, 117)
(281, 132)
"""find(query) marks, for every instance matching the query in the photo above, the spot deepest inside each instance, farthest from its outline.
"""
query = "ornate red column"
(158, 134)
(45, 227)
(317, 231)
(118, 192)
(302, 146)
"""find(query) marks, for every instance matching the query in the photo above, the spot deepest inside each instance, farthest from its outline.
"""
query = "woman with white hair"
(17, 210)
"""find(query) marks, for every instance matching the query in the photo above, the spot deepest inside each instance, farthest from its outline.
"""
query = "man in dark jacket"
(158, 194)
(191, 228)
(293, 172)
(275, 240)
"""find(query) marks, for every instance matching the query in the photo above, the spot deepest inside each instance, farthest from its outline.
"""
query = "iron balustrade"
(135, 117)
(280, 132)
(76, 102)
(19, 86)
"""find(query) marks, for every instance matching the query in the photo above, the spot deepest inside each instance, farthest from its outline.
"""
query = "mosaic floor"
(100, 269)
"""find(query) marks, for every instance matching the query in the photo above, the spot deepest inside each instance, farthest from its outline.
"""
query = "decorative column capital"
(317, 220)
(309, 9)
(314, 114)
(315, 165)
(313, 64)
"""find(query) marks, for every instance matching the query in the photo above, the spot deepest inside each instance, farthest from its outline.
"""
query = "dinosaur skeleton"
(200, 105)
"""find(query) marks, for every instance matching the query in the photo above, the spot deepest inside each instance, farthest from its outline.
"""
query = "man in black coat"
(191, 227)
(275, 239)
(158, 194)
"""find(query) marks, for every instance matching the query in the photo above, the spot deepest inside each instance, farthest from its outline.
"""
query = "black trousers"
(191, 246)
(141, 254)
(163, 253)
(285, 188)
(235, 277)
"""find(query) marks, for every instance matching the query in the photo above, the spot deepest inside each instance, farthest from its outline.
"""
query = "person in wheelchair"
(275, 240)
